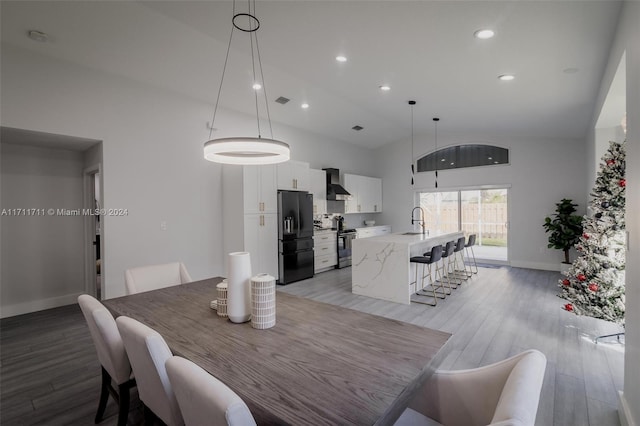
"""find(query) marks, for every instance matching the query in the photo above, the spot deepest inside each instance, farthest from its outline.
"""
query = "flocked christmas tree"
(594, 284)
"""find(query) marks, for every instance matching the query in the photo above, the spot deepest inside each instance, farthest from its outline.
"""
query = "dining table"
(321, 364)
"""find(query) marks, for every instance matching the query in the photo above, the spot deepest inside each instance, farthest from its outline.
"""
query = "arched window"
(460, 156)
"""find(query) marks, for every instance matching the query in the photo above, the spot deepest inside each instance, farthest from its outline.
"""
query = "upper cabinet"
(259, 189)
(293, 176)
(366, 194)
(318, 187)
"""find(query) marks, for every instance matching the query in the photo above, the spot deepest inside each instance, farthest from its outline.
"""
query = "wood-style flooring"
(49, 373)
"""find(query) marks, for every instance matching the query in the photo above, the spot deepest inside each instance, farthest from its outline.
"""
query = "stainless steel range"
(345, 238)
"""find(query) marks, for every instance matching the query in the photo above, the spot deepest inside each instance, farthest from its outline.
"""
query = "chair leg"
(123, 400)
(438, 291)
(474, 259)
(104, 395)
(149, 417)
(423, 290)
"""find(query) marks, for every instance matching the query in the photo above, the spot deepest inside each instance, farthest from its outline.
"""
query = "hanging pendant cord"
(224, 69)
(253, 64)
(436, 153)
(264, 86)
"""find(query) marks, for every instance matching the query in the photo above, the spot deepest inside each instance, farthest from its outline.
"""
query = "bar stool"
(427, 261)
(458, 252)
(471, 241)
(449, 268)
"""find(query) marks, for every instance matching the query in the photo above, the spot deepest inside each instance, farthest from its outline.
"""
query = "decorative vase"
(239, 287)
(222, 298)
(263, 301)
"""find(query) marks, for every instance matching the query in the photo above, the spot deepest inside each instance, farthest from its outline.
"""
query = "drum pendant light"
(242, 149)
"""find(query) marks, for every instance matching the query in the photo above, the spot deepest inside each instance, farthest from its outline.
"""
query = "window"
(461, 156)
(483, 212)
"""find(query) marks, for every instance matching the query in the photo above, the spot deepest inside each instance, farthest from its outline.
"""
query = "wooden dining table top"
(320, 364)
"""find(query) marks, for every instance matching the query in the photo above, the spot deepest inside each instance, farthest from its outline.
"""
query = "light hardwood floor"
(49, 374)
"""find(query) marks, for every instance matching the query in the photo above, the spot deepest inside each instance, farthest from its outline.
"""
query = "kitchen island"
(381, 267)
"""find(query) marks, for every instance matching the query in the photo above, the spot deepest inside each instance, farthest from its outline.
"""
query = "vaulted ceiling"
(424, 50)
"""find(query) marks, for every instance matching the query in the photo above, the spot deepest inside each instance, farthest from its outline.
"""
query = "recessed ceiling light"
(506, 77)
(341, 58)
(257, 86)
(484, 34)
(385, 88)
(38, 36)
(495, 162)
(489, 158)
(304, 106)
(452, 163)
(442, 160)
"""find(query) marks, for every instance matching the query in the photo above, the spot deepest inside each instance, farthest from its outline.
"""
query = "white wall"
(43, 255)
(540, 174)
(152, 155)
(627, 43)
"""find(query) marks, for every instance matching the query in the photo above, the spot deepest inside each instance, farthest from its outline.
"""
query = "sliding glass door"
(483, 212)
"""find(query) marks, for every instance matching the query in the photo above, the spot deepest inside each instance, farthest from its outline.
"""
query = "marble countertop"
(413, 238)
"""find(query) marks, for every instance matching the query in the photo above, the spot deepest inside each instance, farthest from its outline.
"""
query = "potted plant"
(565, 227)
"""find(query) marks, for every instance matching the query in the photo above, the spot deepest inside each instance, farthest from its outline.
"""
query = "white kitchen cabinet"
(293, 176)
(259, 188)
(318, 187)
(325, 250)
(249, 215)
(261, 241)
(373, 231)
(366, 194)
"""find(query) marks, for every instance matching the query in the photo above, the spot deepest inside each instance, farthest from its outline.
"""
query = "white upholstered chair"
(152, 277)
(203, 399)
(148, 353)
(112, 356)
(505, 393)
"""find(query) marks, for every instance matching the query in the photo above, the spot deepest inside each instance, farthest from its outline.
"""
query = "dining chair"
(152, 277)
(203, 399)
(148, 353)
(505, 393)
(112, 356)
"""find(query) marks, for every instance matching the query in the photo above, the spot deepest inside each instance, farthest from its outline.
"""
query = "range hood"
(335, 191)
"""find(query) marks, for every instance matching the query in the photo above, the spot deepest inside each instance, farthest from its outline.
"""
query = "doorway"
(93, 231)
(484, 212)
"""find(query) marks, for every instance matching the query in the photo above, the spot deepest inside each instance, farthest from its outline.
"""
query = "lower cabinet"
(325, 251)
(261, 241)
(373, 231)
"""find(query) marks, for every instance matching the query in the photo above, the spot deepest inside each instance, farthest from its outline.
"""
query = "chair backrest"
(436, 253)
(148, 353)
(106, 338)
(520, 395)
(448, 249)
(459, 245)
(203, 399)
(152, 277)
(471, 241)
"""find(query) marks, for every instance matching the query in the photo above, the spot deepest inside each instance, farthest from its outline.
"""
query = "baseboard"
(626, 419)
(38, 305)
(536, 265)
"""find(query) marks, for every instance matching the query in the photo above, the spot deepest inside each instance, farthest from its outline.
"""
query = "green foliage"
(565, 227)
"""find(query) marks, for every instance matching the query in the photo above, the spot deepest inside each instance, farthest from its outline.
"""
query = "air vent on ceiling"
(357, 128)
(282, 100)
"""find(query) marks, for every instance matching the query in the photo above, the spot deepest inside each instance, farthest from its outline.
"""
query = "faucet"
(421, 221)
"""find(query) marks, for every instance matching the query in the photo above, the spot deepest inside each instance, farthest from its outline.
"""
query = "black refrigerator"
(295, 236)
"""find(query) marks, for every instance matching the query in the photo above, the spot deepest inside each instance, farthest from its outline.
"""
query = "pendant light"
(241, 149)
(411, 104)
(435, 120)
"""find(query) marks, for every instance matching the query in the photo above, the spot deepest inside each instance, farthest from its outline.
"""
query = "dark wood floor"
(49, 373)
